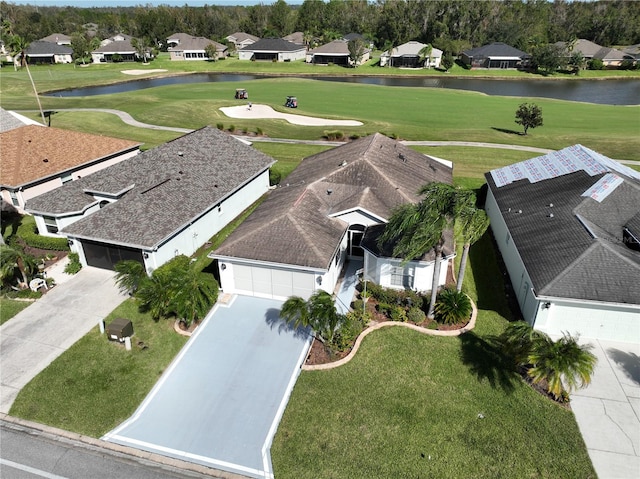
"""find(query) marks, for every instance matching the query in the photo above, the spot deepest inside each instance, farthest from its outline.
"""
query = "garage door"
(272, 282)
(105, 256)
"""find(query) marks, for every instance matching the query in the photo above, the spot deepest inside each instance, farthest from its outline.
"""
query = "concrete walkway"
(32, 339)
(608, 410)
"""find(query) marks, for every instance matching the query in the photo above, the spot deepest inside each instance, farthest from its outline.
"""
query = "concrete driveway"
(220, 401)
(608, 410)
(37, 335)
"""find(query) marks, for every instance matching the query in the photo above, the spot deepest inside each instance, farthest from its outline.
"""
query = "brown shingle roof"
(294, 225)
(30, 153)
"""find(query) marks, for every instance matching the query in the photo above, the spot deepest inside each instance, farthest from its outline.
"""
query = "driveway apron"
(32, 339)
(220, 401)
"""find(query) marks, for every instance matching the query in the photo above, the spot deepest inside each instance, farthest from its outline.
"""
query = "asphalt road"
(27, 453)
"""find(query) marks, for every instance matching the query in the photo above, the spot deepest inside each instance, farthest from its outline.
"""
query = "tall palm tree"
(472, 222)
(562, 359)
(14, 262)
(18, 46)
(517, 341)
(415, 229)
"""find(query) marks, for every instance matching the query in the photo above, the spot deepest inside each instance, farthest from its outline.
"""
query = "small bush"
(354, 136)
(627, 65)
(334, 135)
(232, 128)
(33, 239)
(595, 64)
(259, 131)
(398, 313)
(416, 315)
(220, 126)
(385, 308)
(28, 294)
(74, 264)
(452, 307)
(274, 177)
(432, 325)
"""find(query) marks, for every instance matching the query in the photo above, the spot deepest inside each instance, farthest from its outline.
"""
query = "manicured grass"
(10, 307)
(96, 384)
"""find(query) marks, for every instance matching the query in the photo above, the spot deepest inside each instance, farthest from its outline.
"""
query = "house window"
(402, 276)
(14, 198)
(66, 178)
(51, 224)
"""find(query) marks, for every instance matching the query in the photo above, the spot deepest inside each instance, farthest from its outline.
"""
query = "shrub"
(432, 325)
(74, 264)
(259, 131)
(220, 126)
(35, 240)
(385, 309)
(416, 315)
(354, 136)
(274, 177)
(28, 294)
(595, 64)
(627, 65)
(232, 128)
(452, 307)
(332, 135)
(398, 313)
(349, 331)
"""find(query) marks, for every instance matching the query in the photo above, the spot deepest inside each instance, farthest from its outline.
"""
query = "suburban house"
(494, 55)
(37, 159)
(295, 37)
(633, 51)
(273, 49)
(408, 55)
(610, 57)
(299, 239)
(568, 227)
(47, 52)
(118, 47)
(183, 46)
(335, 52)
(357, 36)
(58, 38)
(165, 202)
(241, 39)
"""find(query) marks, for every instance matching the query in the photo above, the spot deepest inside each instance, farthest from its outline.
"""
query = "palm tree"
(319, 313)
(517, 341)
(156, 293)
(562, 359)
(414, 229)
(472, 222)
(129, 275)
(197, 294)
(425, 54)
(18, 47)
(453, 306)
(13, 262)
(142, 48)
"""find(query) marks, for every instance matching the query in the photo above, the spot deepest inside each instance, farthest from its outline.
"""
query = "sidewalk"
(32, 339)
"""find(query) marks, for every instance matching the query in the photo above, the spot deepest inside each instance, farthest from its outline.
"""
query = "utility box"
(119, 329)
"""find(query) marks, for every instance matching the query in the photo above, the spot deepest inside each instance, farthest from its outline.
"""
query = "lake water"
(607, 92)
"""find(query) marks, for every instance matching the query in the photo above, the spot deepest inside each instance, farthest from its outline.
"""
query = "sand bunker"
(266, 112)
(142, 72)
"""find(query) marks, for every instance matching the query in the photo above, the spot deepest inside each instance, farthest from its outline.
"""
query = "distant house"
(495, 55)
(37, 159)
(241, 39)
(408, 55)
(273, 49)
(335, 52)
(633, 50)
(118, 47)
(568, 227)
(46, 52)
(57, 38)
(300, 238)
(357, 36)
(295, 37)
(9, 120)
(167, 201)
(610, 57)
(183, 46)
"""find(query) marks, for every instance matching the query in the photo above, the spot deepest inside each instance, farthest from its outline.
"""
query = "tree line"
(450, 25)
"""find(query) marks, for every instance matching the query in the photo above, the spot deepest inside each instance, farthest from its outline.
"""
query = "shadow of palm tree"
(486, 361)
(630, 362)
(273, 319)
(505, 130)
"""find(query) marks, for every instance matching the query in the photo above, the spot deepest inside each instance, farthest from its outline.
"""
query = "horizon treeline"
(450, 25)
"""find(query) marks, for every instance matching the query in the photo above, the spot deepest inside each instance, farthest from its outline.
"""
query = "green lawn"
(10, 307)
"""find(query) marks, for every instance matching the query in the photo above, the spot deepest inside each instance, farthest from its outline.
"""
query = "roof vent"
(344, 163)
(550, 205)
(329, 191)
(46, 160)
(402, 157)
(180, 153)
(550, 215)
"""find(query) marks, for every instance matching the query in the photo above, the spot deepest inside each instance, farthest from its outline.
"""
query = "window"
(14, 198)
(51, 224)
(66, 178)
(402, 276)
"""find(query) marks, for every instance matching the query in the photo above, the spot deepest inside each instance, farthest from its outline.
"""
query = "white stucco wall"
(378, 270)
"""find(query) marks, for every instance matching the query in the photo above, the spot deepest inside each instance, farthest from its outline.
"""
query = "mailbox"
(119, 329)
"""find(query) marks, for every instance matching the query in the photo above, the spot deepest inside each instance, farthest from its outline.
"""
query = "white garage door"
(272, 282)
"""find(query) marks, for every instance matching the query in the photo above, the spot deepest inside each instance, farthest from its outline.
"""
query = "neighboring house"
(273, 49)
(610, 57)
(10, 120)
(299, 239)
(167, 201)
(58, 38)
(37, 159)
(335, 52)
(495, 55)
(568, 227)
(183, 46)
(119, 47)
(356, 36)
(48, 52)
(408, 55)
(241, 39)
(295, 37)
(633, 51)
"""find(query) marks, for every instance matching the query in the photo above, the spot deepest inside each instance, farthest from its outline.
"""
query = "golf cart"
(241, 94)
(292, 102)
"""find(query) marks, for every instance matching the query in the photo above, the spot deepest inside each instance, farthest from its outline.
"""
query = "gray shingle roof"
(191, 43)
(273, 45)
(497, 49)
(370, 243)
(48, 48)
(11, 120)
(293, 225)
(336, 47)
(123, 46)
(169, 187)
(578, 252)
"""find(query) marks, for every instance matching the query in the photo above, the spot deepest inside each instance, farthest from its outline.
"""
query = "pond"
(606, 92)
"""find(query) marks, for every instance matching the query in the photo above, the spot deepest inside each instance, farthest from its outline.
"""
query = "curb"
(470, 325)
(126, 452)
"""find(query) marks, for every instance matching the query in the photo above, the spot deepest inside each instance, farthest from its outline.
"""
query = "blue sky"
(133, 3)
